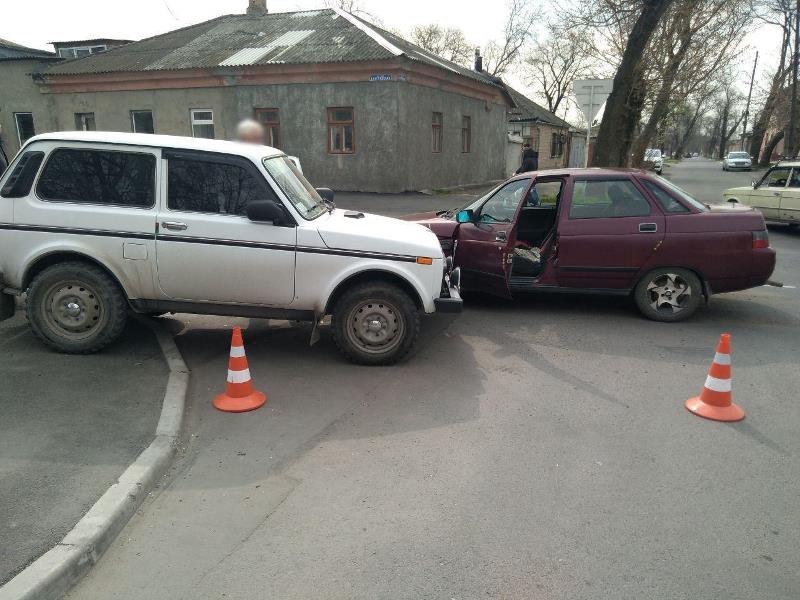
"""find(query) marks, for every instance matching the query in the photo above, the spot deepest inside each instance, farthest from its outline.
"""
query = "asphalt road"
(529, 449)
(69, 427)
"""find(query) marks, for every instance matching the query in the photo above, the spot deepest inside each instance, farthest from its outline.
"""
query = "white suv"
(94, 223)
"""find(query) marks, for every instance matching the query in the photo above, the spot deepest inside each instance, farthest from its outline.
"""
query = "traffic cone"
(715, 401)
(239, 394)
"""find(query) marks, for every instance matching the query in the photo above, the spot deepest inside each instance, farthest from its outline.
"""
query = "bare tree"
(354, 7)
(693, 43)
(779, 13)
(499, 56)
(624, 106)
(449, 43)
(556, 61)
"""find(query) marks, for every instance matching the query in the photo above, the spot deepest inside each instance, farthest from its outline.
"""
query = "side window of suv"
(213, 187)
(602, 199)
(99, 177)
(21, 179)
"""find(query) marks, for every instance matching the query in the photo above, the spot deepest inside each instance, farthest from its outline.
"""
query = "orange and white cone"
(239, 394)
(715, 402)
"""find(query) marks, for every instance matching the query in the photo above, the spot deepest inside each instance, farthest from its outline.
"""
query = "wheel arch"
(373, 275)
(54, 257)
(704, 283)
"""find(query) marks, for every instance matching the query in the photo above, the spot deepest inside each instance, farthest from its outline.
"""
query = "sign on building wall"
(383, 77)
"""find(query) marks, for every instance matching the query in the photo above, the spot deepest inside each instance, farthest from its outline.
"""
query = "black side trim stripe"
(210, 241)
(286, 247)
(602, 269)
(78, 231)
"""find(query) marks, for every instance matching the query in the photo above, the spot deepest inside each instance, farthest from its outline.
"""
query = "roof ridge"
(368, 29)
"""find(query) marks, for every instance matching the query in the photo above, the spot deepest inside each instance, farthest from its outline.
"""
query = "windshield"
(300, 192)
(683, 195)
(652, 153)
(738, 155)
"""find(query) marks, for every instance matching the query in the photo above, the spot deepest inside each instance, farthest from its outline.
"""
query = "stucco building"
(23, 110)
(362, 108)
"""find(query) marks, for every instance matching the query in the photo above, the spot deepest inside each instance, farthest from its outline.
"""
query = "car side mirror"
(326, 194)
(266, 211)
(464, 216)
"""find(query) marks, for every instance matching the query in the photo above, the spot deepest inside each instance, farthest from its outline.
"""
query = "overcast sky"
(35, 23)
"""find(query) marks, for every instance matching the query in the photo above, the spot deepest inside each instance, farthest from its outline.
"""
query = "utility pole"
(790, 149)
(749, 95)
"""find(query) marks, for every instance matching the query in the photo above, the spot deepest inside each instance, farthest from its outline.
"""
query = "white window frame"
(16, 124)
(72, 51)
(193, 121)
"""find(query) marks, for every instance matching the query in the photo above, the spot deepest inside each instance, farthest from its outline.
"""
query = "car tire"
(658, 294)
(393, 313)
(76, 308)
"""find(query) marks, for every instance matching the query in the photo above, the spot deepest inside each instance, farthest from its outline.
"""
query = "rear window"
(99, 177)
(667, 202)
(682, 194)
(21, 179)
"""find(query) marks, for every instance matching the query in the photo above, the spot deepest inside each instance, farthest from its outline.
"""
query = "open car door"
(484, 241)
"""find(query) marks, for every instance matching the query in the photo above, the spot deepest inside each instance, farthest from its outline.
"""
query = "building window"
(202, 123)
(557, 145)
(99, 177)
(341, 131)
(25, 128)
(142, 121)
(466, 134)
(80, 51)
(84, 122)
(436, 132)
(270, 119)
(530, 135)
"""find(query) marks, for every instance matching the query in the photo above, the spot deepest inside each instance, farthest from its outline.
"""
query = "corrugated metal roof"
(528, 110)
(11, 51)
(315, 36)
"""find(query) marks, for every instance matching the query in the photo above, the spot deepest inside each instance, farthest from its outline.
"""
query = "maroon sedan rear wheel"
(669, 294)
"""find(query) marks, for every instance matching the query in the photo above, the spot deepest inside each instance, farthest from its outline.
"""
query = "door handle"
(647, 227)
(501, 236)
(174, 225)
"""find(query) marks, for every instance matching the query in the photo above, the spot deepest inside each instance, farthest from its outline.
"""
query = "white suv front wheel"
(76, 308)
(375, 323)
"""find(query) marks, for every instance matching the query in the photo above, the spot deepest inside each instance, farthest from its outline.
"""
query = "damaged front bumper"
(450, 299)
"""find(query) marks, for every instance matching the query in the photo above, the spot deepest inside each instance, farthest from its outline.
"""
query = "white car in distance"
(735, 161)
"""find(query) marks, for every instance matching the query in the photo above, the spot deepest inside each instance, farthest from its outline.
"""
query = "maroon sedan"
(607, 232)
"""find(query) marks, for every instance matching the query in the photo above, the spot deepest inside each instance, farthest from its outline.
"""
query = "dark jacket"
(530, 161)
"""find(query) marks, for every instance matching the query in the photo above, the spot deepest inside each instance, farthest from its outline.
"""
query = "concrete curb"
(55, 572)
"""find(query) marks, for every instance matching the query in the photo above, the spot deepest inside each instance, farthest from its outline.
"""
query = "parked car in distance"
(737, 160)
(695, 155)
(653, 160)
(92, 224)
(604, 231)
(776, 194)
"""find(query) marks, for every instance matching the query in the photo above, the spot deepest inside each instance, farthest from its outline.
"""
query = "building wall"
(393, 143)
(19, 93)
(540, 138)
(426, 169)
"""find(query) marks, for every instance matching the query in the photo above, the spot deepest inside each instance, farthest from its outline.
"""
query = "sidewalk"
(70, 427)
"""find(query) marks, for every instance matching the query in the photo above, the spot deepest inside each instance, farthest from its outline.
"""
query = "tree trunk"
(688, 133)
(624, 105)
(770, 147)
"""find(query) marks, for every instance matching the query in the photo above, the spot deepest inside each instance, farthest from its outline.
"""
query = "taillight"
(760, 239)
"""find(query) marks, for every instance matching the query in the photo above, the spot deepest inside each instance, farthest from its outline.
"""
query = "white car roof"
(253, 151)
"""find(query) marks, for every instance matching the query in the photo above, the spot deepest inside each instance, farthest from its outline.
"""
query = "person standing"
(530, 160)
